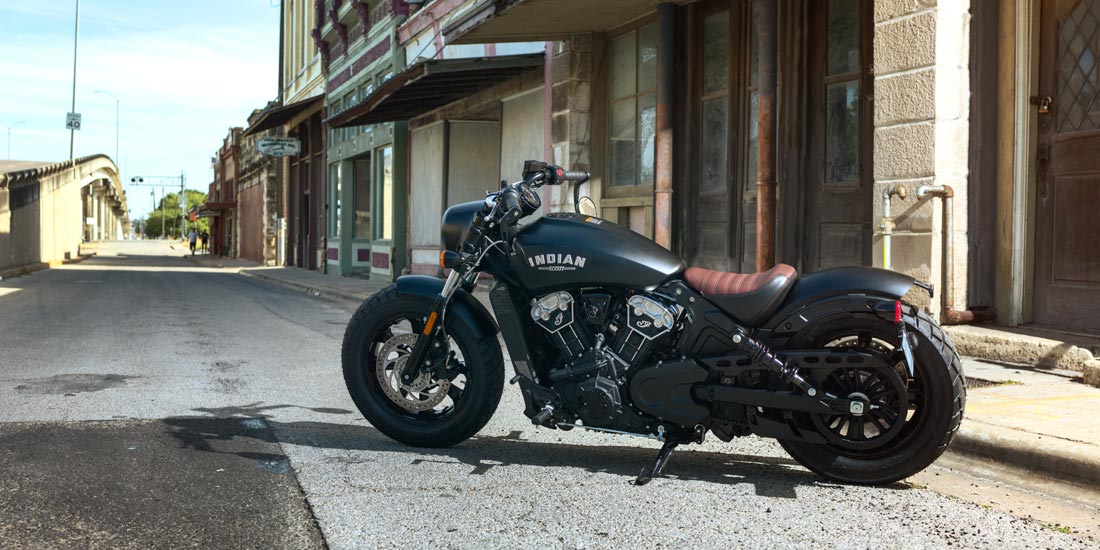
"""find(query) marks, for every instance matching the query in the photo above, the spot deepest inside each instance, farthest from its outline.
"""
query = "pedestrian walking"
(205, 242)
(192, 236)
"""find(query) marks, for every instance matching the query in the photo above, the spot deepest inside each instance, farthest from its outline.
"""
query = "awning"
(214, 206)
(491, 21)
(433, 83)
(278, 116)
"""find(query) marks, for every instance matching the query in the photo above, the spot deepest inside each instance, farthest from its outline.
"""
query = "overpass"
(48, 210)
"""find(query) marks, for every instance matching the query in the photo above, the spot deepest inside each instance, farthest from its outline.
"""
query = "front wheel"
(433, 410)
(911, 421)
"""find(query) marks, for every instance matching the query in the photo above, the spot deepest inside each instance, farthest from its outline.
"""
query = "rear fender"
(840, 291)
(464, 308)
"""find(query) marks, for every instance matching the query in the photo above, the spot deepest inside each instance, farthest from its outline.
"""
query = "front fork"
(432, 330)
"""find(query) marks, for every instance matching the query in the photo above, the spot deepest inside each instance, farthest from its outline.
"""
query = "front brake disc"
(421, 394)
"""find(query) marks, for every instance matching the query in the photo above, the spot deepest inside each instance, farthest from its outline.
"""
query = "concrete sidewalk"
(1024, 416)
(333, 287)
(1039, 419)
(1031, 346)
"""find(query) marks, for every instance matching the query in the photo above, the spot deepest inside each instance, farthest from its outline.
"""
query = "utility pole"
(140, 181)
(76, 38)
(183, 205)
(9, 136)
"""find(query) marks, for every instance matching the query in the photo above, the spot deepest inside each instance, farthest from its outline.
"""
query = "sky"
(183, 72)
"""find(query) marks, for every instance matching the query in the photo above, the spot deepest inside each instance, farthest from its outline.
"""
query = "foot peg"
(650, 472)
(542, 416)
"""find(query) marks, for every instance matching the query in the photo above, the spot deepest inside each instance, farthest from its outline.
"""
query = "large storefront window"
(633, 107)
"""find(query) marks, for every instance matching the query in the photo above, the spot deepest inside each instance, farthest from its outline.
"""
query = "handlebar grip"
(512, 210)
(575, 177)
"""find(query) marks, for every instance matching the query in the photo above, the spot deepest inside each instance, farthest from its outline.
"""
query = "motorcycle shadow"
(770, 476)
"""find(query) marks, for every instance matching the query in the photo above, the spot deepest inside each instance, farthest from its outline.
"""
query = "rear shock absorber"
(761, 356)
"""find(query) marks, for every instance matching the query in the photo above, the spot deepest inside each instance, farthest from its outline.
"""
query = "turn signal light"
(449, 259)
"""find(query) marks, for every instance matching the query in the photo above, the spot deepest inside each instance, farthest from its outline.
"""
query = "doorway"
(1067, 259)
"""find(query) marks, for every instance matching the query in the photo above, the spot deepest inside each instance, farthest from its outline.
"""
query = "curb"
(1047, 350)
(319, 292)
(31, 268)
(1055, 457)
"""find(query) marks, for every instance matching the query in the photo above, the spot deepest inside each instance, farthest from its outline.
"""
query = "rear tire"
(940, 375)
(483, 374)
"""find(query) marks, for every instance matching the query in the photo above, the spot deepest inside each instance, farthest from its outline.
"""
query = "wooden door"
(839, 189)
(1067, 266)
(713, 216)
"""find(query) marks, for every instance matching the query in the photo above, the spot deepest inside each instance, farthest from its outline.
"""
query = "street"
(147, 401)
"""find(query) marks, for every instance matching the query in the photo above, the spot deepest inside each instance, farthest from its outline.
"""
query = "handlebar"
(577, 177)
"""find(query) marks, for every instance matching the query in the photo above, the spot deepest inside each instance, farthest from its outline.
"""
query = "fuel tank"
(566, 250)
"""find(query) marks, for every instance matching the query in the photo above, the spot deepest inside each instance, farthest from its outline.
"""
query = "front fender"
(463, 307)
(833, 291)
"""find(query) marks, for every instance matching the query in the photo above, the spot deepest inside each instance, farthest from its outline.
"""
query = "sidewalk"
(1031, 346)
(317, 284)
(1024, 416)
(1034, 418)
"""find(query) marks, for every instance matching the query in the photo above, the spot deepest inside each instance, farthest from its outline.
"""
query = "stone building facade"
(944, 139)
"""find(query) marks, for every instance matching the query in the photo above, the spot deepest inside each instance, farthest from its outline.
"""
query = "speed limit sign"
(72, 121)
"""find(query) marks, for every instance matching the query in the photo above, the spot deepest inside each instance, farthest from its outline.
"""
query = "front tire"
(939, 389)
(456, 410)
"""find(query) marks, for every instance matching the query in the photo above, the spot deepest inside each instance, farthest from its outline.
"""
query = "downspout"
(765, 171)
(666, 90)
(888, 220)
(951, 315)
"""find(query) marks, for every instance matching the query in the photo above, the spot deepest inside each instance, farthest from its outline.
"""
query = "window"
(632, 109)
(385, 177)
(334, 218)
(753, 93)
(842, 93)
(714, 137)
(349, 101)
(362, 198)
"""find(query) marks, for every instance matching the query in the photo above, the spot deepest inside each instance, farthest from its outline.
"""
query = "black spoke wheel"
(445, 404)
(886, 409)
(908, 421)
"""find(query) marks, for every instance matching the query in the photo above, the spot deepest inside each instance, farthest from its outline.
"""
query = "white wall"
(474, 161)
(426, 191)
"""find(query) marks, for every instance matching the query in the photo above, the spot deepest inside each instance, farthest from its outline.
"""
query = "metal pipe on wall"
(666, 90)
(888, 221)
(765, 171)
(951, 315)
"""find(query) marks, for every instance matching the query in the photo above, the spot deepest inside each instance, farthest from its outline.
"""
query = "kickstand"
(650, 472)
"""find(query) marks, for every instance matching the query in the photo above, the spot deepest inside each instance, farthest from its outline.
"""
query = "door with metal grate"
(1067, 267)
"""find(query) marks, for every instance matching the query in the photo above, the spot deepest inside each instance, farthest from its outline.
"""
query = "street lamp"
(112, 96)
(9, 135)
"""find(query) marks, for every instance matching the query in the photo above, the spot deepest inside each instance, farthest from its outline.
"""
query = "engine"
(602, 341)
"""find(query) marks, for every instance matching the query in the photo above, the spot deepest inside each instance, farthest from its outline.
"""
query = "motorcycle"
(609, 331)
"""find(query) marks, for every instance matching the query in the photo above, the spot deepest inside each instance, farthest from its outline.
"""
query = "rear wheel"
(909, 422)
(441, 407)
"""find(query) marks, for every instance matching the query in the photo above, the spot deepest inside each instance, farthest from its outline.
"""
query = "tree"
(155, 227)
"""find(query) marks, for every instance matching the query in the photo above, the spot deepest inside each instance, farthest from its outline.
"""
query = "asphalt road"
(230, 393)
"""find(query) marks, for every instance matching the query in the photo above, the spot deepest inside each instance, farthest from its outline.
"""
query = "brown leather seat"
(749, 297)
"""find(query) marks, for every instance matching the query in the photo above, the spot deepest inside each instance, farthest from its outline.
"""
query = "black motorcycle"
(609, 331)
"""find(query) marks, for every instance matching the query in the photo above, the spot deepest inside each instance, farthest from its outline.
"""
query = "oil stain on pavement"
(71, 384)
(194, 482)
